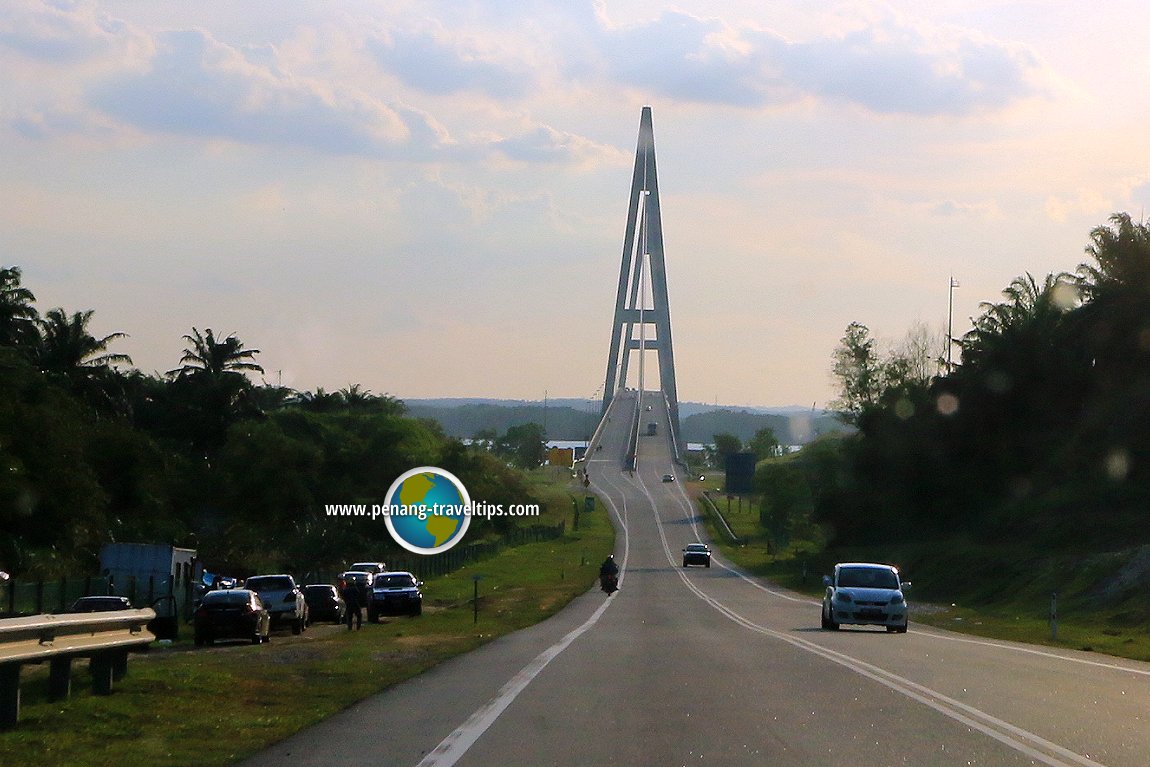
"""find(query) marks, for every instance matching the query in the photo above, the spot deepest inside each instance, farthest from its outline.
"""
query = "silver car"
(866, 594)
(283, 599)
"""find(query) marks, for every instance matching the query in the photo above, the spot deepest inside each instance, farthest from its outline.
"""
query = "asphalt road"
(706, 666)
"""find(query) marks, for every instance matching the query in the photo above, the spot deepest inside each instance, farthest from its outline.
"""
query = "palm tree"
(67, 348)
(17, 315)
(215, 359)
(212, 389)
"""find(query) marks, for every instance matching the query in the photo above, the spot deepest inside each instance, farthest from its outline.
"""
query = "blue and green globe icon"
(428, 510)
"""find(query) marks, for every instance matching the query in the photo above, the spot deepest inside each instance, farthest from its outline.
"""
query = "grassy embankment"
(180, 706)
(999, 592)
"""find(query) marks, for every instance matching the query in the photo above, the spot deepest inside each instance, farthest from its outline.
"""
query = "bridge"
(715, 666)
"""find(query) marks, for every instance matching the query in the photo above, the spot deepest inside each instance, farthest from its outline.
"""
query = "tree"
(523, 445)
(17, 315)
(726, 444)
(859, 372)
(66, 347)
(211, 387)
(215, 359)
(764, 444)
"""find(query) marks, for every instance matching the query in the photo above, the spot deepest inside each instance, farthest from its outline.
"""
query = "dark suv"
(395, 593)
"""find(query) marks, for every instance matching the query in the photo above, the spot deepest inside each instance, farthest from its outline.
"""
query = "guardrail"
(104, 637)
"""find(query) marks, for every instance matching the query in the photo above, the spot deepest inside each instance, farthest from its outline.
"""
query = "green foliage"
(523, 445)
(1038, 434)
(202, 456)
(764, 444)
(726, 444)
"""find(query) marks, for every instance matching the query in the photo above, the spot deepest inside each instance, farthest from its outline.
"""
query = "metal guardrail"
(104, 637)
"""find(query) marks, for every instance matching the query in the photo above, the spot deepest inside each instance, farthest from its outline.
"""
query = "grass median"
(181, 706)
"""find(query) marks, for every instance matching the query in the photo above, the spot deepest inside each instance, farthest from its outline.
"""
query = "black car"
(100, 604)
(697, 554)
(395, 593)
(231, 614)
(324, 603)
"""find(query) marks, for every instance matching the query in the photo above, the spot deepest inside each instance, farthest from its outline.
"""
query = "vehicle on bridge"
(865, 594)
(668, 477)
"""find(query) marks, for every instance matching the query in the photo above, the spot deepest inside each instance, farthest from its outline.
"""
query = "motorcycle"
(609, 583)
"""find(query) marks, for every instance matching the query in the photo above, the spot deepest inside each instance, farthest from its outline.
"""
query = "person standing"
(351, 598)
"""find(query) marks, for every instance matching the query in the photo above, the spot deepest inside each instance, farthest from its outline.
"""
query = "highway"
(710, 667)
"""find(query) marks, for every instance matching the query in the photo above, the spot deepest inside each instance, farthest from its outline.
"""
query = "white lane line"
(455, 745)
(1021, 740)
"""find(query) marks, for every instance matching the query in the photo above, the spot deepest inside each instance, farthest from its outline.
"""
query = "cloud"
(888, 66)
(547, 145)
(898, 70)
(433, 61)
(197, 86)
(57, 32)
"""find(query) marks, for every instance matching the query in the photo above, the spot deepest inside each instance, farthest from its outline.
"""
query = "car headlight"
(842, 596)
(897, 599)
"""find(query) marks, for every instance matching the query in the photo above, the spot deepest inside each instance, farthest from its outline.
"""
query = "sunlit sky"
(428, 197)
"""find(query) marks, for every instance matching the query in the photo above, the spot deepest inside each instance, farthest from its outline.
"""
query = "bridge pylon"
(642, 315)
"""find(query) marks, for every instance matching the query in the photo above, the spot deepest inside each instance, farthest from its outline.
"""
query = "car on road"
(283, 599)
(231, 614)
(371, 568)
(324, 603)
(668, 477)
(100, 604)
(865, 594)
(395, 593)
(697, 554)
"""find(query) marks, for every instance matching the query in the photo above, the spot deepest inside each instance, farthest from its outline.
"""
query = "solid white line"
(1021, 740)
(455, 745)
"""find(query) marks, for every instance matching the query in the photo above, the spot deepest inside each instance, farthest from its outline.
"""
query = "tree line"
(93, 450)
(1037, 433)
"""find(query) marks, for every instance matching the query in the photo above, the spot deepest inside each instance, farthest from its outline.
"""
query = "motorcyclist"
(609, 567)
(609, 574)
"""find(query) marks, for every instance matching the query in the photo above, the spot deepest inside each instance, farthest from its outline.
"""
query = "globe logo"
(428, 510)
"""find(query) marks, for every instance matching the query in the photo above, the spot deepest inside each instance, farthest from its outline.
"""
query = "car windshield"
(696, 547)
(867, 577)
(225, 598)
(392, 581)
(269, 583)
(317, 591)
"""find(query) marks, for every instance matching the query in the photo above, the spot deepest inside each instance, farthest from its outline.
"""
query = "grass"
(997, 592)
(180, 707)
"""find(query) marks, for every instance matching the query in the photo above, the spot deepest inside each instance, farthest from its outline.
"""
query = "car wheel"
(257, 639)
(708, 563)
(418, 610)
(902, 629)
(297, 626)
(828, 622)
(684, 563)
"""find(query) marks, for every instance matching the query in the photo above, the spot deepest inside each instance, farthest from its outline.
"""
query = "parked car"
(395, 593)
(283, 599)
(864, 593)
(697, 554)
(668, 477)
(372, 568)
(231, 614)
(100, 604)
(324, 603)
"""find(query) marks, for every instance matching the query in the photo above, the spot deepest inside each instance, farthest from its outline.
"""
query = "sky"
(428, 197)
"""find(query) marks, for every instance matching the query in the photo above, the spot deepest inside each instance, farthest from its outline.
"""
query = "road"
(710, 667)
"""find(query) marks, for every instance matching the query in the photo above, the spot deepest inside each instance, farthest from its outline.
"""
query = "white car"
(283, 599)
(865, 594)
